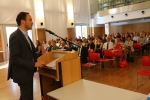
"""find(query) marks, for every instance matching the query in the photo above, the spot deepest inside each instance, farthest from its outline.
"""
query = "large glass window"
(11, 29)
(81, 30)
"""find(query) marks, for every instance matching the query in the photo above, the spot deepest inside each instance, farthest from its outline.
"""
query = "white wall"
(93, 1)
(10, 8)
(39, 13)
(121, 16)
(70, 13)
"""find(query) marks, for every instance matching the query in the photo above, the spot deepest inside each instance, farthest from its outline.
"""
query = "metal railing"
(109, 4)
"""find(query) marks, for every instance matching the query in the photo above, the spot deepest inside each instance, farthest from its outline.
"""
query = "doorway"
(6, 31)
(81, 30)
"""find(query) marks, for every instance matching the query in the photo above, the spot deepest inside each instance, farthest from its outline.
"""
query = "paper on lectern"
(52, 64)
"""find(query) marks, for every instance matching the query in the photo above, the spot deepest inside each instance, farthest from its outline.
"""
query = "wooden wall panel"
(99, 31)
(138, 27)
(41, 35)
(71, 33)
(1, 47)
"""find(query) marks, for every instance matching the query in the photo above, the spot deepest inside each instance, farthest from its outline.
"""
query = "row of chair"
(143, 71)
(94, 58)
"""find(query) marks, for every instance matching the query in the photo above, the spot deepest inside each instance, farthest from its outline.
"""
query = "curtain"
(10, 8)
(81, 11)
(55, 18)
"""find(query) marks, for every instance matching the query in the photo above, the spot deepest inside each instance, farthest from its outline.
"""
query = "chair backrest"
(94, 56)
(146, 61)
(108, 53)
(90, 51)
(137, 45)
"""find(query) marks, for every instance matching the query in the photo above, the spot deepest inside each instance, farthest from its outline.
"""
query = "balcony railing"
(109, 4)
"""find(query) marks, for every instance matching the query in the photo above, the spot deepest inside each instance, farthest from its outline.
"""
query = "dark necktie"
(28, 39)
(107, 45)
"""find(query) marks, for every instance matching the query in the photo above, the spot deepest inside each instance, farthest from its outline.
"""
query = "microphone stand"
(52, 33)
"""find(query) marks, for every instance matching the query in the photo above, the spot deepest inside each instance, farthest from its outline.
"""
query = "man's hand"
(40, 64)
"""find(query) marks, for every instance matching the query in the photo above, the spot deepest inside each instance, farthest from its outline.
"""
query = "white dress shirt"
(110, 45)
(79, 51)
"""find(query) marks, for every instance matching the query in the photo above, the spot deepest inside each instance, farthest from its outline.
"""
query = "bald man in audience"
(108, 45)
(63, 46)
(49, 46)
(143, 41)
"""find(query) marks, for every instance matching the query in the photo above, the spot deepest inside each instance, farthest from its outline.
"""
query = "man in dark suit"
(82, 51)
(23, 62)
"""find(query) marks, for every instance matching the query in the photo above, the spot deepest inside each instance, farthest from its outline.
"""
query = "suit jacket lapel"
(23, 37)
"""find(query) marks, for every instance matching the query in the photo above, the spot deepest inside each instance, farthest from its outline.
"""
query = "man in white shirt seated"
(63, 46)
(49, 46)
(143, 41)
(108, 45)
(135, 38)
(45, 45)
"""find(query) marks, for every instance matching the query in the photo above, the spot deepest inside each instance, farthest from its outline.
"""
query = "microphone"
(49, 31)
(52, 33)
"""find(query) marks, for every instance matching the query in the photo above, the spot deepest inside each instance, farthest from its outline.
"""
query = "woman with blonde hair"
(98, 47)
(84, 43)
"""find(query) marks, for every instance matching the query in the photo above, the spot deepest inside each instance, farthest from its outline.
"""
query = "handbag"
(123, 64)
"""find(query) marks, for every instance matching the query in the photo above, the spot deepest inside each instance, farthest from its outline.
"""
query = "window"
(81, 30)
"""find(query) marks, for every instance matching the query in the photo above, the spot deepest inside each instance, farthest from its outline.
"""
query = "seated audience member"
(126, 36)
(135, 38)
(95, 40)
(63, 46)
(113, 41)
(82, 51)
(91, 45)
(49, 46)
(131, 34)
(123, 38)
(79, 37)
(143, 41)
(54, 47)
(113, 36)
(58, 42)
(45, 45)
(128, 47)
(85, 43)
(104, 38)
(108, 45)
(148, 37)
(98, 47)
(118, 45)
(38, 48)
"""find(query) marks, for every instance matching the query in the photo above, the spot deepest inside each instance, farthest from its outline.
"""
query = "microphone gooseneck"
(52, 33)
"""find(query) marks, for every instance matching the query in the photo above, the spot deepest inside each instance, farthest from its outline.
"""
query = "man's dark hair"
(21, 16)
(80, 40)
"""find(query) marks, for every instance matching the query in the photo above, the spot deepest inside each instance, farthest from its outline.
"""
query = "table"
(88, 90)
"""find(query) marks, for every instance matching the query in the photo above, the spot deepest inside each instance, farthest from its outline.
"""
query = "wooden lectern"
(63, 68)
